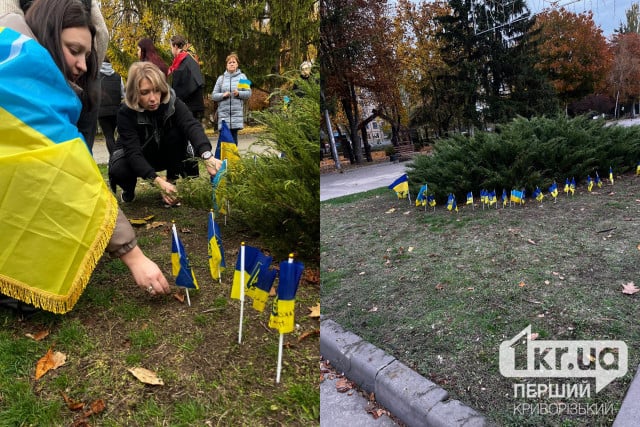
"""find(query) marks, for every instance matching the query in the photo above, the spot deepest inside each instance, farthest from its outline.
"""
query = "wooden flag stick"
(281, 341)
(241, 292)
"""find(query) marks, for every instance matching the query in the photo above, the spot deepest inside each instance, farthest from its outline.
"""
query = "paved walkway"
(245, 142)
(351, 181)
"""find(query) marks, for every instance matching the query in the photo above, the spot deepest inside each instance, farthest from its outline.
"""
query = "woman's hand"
(212, 165)
(146, 273)
(168, 190)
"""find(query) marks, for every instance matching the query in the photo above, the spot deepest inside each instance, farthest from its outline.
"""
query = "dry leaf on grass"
(308, 334)
(439, 287)
(141, 221)
(95, 407)
(534, 336)
(72, 405)
(315, 310)
(156, 224)
(630, 288)
(49, 361)
(179, 296)
(146, 376)
(38, 336)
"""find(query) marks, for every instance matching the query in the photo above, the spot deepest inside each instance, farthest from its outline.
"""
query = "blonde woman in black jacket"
(154, 127)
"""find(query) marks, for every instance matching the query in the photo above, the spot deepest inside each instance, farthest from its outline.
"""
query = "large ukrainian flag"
(56, 212)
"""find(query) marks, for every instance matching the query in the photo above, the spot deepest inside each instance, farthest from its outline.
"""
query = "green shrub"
(525, 154)
(277, 193)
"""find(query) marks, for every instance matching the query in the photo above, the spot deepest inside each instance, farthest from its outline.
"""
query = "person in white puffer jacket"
(230, 91)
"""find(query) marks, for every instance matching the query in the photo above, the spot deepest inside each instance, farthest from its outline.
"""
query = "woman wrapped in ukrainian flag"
(57, 216)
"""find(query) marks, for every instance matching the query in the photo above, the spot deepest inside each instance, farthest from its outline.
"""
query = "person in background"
(112, 92)
(229, 97)
(148, 52)
(64, 194)
(153, 129)
(188, 83)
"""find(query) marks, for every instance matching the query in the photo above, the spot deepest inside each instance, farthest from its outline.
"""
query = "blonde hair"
(234, 56)
(138, 72)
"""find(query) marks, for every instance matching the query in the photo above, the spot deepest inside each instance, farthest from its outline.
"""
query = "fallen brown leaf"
(38, 336)
(49, 361)
(522, 284)
(156, 224)
(308, 334)
(272, 291)
(146, 376)
(95, 407)
(343, 385)
(72, 405)
(439, 287)
(179, 296)
(630, 288)
(534, 336)
(315, 311)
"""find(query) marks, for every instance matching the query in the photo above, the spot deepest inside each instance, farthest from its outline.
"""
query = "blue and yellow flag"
(283, 314)
(217, 192)
(505, 199)
(180, 263)
(421, 199)
(517, 196)
(492, 198)
(611, 174)
(226, 147)
(401, 186)
(451, 203)
(537, 194)
(431, 200)
(258, 278)
(216, 252)
(638, 169)
(470, 197)
(589, 183)
(572, 186)
(598, 180)
(553, 190)
(244, 84)
(57, 213)
(566, 186)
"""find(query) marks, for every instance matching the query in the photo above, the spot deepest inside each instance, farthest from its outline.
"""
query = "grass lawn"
(209, 379)
(441, 290)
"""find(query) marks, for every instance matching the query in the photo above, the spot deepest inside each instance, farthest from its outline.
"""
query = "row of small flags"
(488, 198)
(252, 277)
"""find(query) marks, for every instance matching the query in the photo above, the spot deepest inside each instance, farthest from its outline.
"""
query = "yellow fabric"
(56, 216)
(282, 316)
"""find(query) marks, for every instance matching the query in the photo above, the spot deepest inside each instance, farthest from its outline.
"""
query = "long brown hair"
(47, 19)
(149, 53)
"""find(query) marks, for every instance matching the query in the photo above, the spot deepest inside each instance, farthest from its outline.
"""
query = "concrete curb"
(629, 412)
(415, 400)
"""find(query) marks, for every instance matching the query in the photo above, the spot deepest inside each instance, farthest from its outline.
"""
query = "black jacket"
(110, 98)
(155, 140)
(188, 83)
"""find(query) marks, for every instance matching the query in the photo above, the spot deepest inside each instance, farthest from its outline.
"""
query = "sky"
(607, 14)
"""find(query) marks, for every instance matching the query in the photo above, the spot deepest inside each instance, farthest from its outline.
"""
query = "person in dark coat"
(153, 129)
(188, 83)
(112, 92)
